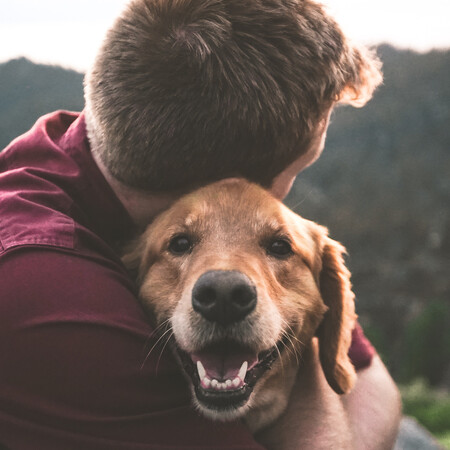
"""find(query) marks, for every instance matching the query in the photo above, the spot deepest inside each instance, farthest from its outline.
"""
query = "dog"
(243, 285)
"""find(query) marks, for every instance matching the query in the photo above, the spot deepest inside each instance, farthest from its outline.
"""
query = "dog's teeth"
(201, 370)
(217, 385)
(243, 370)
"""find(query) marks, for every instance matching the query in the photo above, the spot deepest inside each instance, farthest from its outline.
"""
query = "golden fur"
(306, 294)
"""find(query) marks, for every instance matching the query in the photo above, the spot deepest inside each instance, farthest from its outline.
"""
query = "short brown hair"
(185, 92)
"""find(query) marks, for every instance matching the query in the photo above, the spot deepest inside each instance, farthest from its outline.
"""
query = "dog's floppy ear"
(364, 70)
(132, 257)
(335, 331)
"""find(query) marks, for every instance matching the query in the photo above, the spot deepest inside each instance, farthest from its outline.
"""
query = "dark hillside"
(29, 90)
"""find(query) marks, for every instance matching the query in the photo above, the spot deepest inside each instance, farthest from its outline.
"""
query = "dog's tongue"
(224, 365)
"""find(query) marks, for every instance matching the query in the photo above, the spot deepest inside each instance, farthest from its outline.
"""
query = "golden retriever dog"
(242, 284)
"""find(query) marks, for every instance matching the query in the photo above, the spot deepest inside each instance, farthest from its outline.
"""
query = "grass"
(444, 439)
(430, 408)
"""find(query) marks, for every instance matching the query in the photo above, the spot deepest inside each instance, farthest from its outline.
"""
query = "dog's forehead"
(233, 210)
(230, 205)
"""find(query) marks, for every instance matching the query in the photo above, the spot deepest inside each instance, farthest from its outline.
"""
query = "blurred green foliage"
(444, 439)
(431, 408)
(426, 344)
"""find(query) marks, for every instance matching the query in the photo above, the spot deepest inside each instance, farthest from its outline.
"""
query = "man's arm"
(318, 418)
(374, 408)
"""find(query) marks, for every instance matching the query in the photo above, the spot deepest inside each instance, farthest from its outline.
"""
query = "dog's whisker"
(290, 337)
(305, 197)
(154, 345)
(155, 332)
(293, 340)
(162, 351)
(290, 347)
(163, 325)
(290, 331)
(297, 348)
(280, 359)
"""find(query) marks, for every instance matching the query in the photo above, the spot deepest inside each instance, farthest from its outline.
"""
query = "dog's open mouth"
(224, 374)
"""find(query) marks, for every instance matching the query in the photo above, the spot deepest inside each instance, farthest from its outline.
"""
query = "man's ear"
(364, 69)
(335, 331)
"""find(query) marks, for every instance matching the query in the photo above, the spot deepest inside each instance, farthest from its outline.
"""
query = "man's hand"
(318, 418)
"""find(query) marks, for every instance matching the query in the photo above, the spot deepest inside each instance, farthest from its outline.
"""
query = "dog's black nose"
(223, 296)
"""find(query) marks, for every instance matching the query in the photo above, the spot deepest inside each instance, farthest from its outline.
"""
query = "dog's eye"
(180, 244)
(280, 248)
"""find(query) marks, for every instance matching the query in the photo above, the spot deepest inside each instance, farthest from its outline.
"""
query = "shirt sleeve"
(80, 367)
(361, 350)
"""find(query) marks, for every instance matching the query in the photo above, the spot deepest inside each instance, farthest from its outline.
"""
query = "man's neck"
(142, 206)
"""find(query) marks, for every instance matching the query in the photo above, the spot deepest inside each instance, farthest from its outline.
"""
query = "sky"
(69, 32)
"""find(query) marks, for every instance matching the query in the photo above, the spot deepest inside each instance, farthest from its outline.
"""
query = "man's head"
(185, 92)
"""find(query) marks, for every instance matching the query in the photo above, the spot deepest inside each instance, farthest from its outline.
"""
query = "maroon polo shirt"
(74, 371)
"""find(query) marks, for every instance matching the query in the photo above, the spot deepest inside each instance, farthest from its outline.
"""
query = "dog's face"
(244, 284)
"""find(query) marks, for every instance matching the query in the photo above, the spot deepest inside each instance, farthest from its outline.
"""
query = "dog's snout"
(223, 296)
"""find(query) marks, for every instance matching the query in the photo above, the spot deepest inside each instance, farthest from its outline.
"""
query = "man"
(182, 93)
